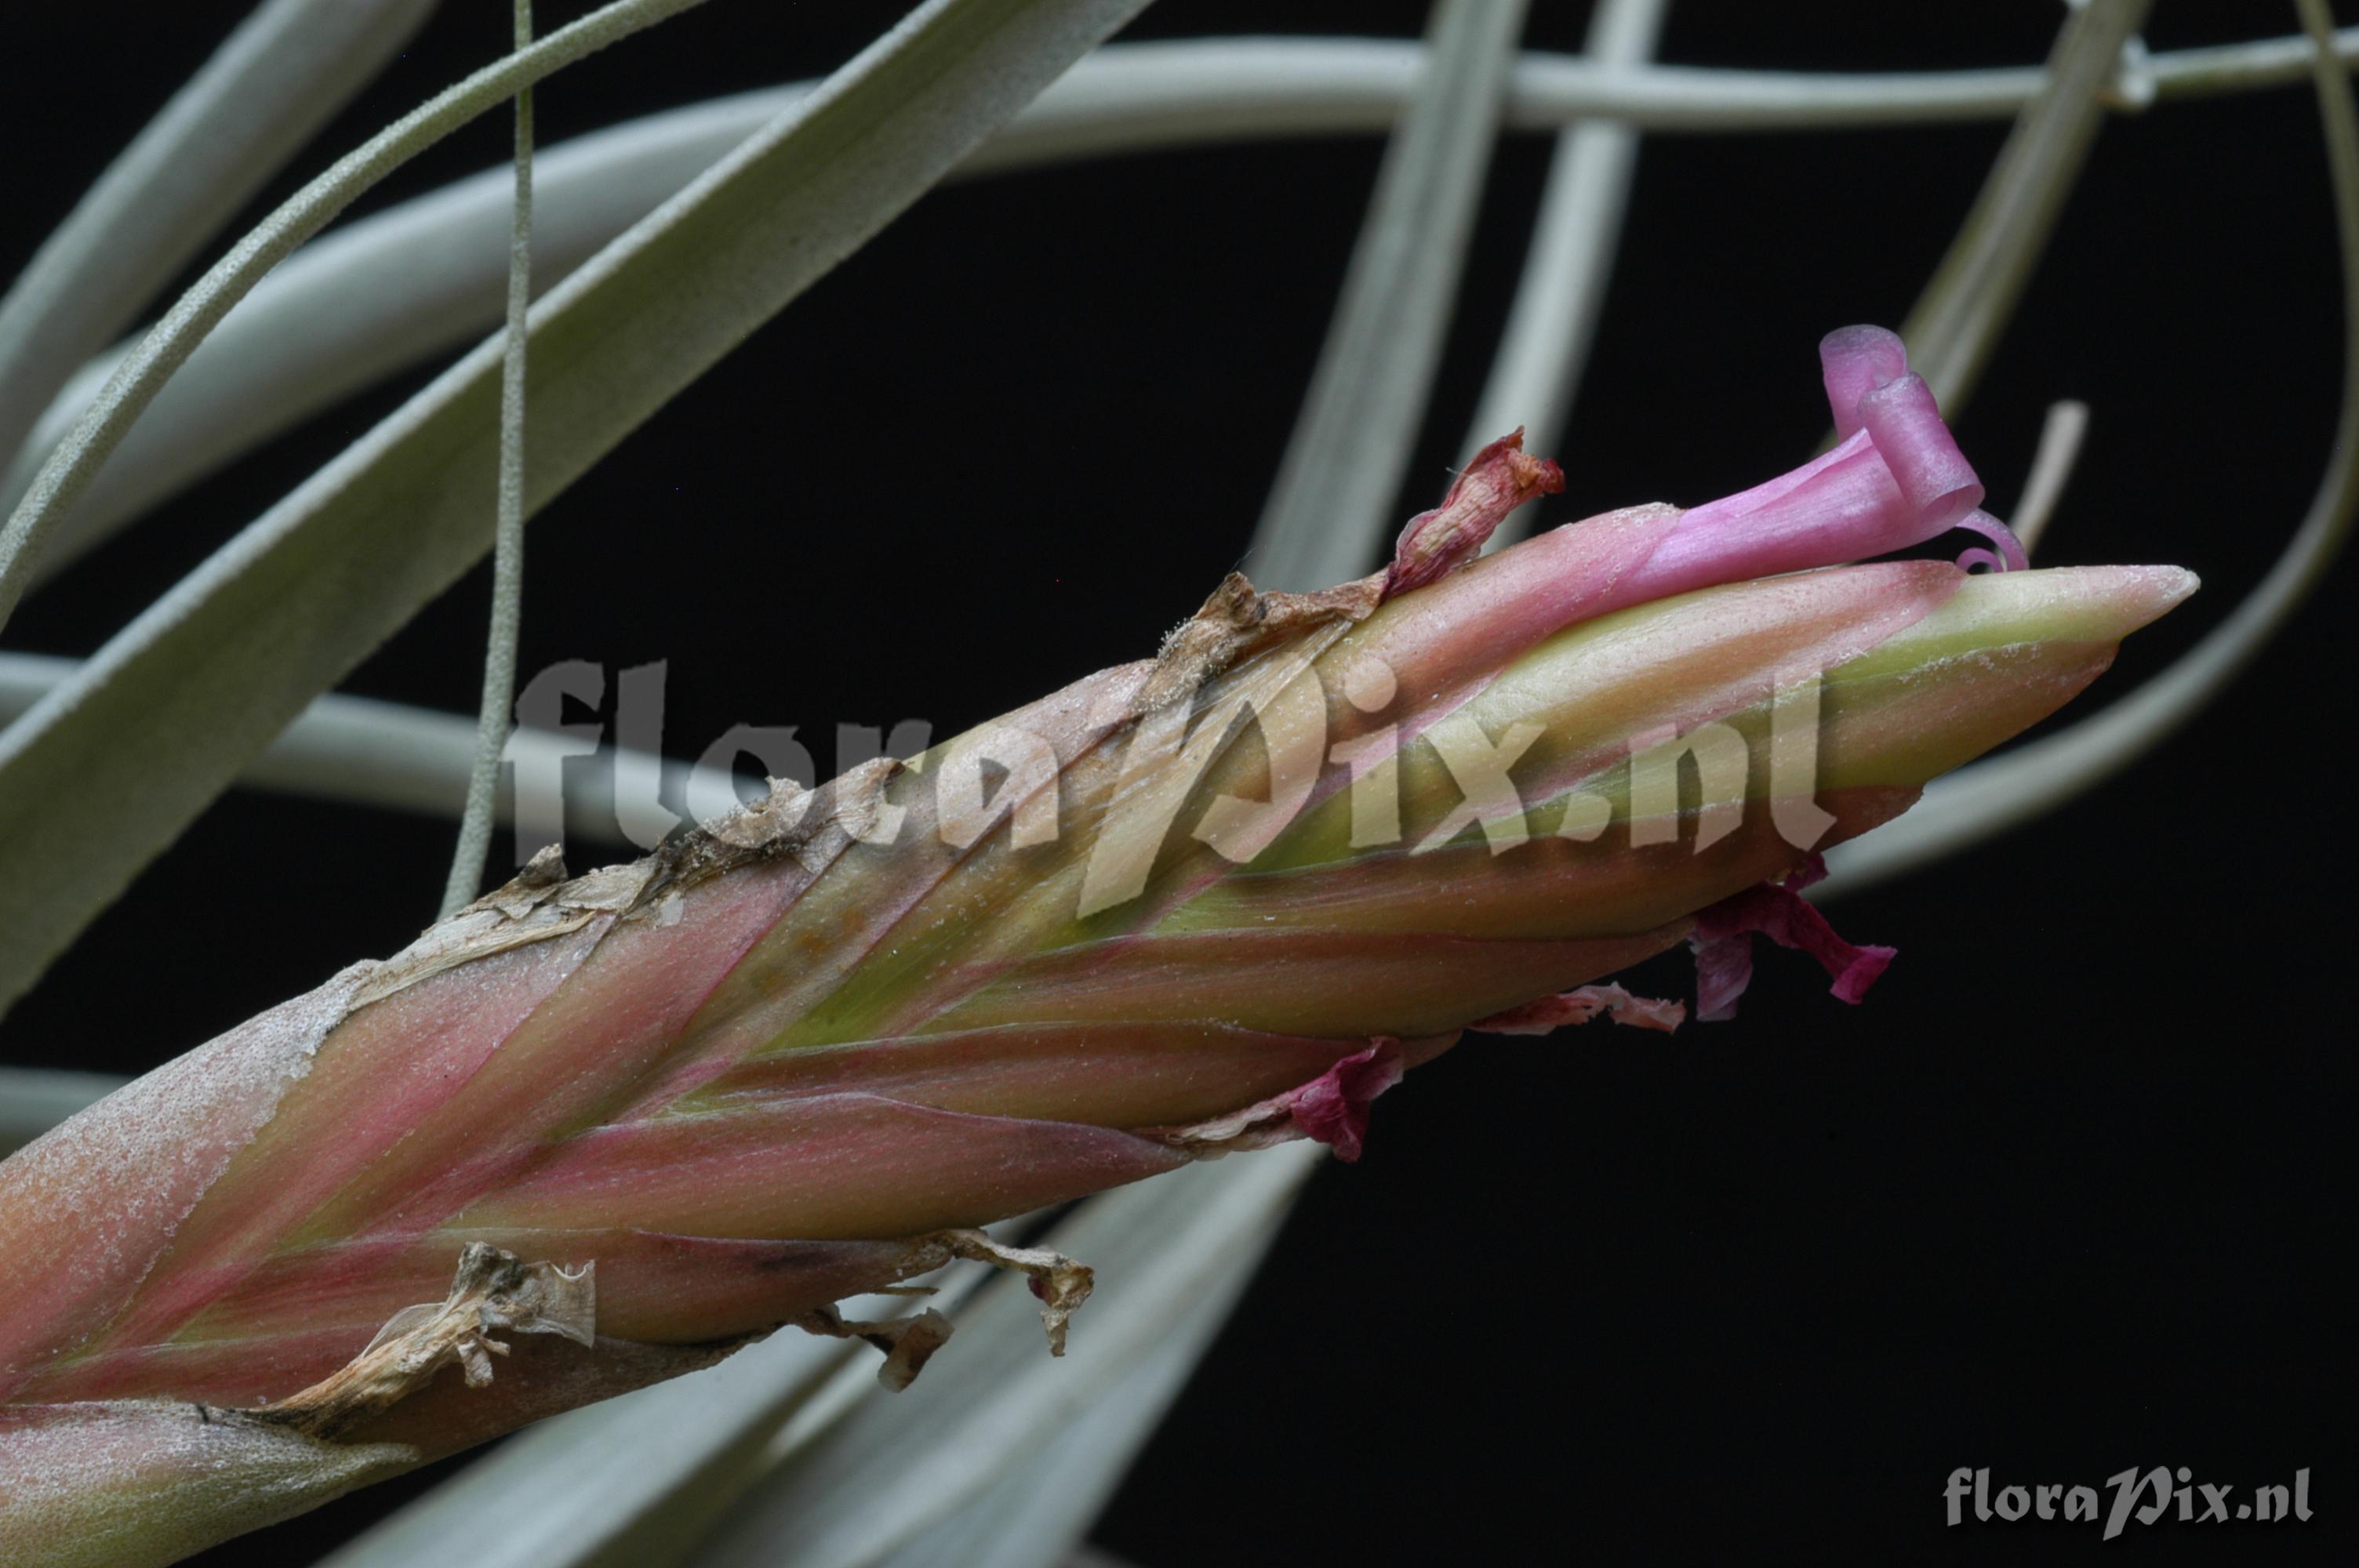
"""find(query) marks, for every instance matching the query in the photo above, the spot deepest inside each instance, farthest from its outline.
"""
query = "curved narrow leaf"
(1562, 290)
(1965, 306)
(213, 670)
(372, 298)
(2051, 469)
(496, 707)
(1327, 512)
(400, 758)
(1172, 1256)
(1038, 1513)
(402, 286)
(270, 87)
(2237, 67)
(150, 365)
(1988, 797)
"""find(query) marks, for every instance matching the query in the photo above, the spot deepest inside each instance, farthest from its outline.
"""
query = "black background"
(2063, 1198)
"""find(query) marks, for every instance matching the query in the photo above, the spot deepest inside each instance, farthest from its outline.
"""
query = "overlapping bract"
(1183, 906)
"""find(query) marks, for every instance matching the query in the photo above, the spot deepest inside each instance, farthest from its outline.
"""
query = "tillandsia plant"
(592, 1134)
(597, 1131)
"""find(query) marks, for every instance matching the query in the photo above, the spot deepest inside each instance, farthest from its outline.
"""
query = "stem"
(507, 539)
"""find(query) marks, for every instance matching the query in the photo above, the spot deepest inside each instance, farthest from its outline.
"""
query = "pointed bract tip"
(2058, 604)
(2163, 588)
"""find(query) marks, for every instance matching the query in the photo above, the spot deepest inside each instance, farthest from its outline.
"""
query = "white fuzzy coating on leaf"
(124, 1484)
(179, 1125)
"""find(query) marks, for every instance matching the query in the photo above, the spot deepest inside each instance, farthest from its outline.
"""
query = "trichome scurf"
(1197, 904)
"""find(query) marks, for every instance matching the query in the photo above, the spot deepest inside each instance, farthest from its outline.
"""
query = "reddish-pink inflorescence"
(780, 1061)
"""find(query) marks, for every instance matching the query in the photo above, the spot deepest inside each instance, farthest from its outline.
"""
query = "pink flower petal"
(1895, 478)
(1846, 510)
(1854, 362)
(1580, 1006)
(2008, 557)
(1933, 474)
(1333, 1108)
(1723, 935)
(1745, 502)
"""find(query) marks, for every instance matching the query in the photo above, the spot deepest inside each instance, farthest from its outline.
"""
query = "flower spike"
(1215, 899)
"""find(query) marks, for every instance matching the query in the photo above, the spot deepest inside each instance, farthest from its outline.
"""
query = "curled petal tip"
(1939, 484)
(1894, 479)
(1854, 362)
(2006, 553)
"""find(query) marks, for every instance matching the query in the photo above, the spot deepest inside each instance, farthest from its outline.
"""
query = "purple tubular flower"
(1895, 480)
